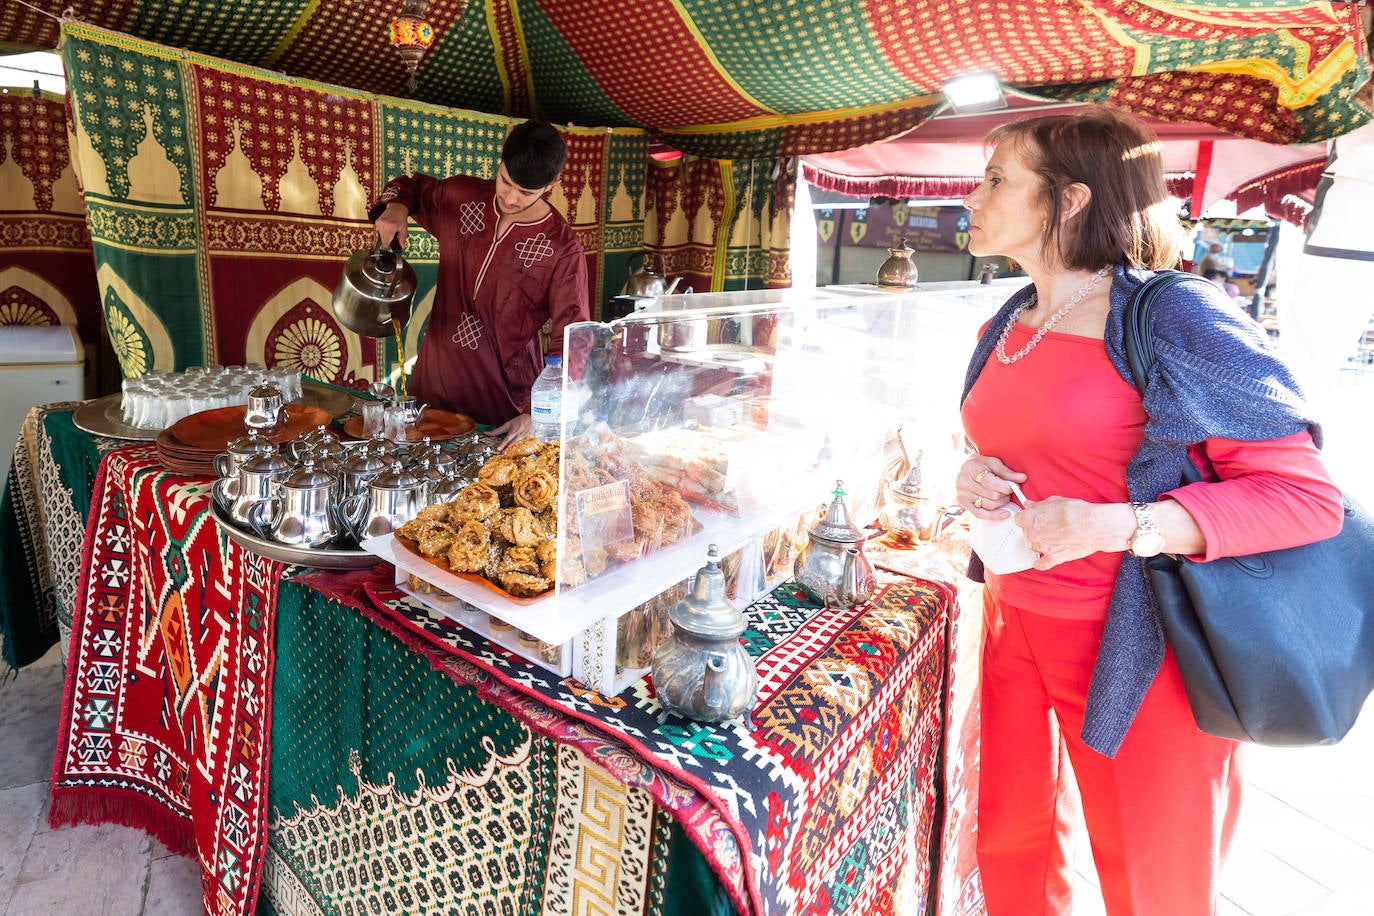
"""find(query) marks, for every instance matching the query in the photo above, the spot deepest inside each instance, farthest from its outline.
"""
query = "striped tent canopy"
(764, 78)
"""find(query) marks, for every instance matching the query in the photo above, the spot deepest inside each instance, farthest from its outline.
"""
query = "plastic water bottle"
(546, 401)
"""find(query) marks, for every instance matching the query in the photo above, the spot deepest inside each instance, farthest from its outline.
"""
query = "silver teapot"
(702, 671)
(228, 462)
(266, 411)
(393, 497)
(357, 469)
(826, 569)
(257, 481)
(304, 511)
(646, 283)
(376, 288)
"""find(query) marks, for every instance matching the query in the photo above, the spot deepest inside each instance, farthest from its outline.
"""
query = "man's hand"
(393, 223)
(514, 429)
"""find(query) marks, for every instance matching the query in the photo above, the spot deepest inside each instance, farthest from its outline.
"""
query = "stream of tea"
(400, 356)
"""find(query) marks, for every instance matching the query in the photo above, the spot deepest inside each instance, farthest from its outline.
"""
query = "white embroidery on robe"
(469, 332)
(533, 249)
(472, 217)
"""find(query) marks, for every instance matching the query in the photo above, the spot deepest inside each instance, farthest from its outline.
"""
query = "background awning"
(779, 77)
(944, 158)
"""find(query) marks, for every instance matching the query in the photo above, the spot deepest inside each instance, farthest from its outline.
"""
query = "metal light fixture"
(975, 92)
(411, 35)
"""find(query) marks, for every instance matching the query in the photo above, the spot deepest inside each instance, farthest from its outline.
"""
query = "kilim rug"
(42, 520)
(827, 801)
(396, 789)
(166, 707)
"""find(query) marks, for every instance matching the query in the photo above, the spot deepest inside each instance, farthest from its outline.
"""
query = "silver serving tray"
(105, 416)
(320, 557)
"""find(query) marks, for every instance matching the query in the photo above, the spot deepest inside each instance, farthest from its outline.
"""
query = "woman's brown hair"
(1129, 218)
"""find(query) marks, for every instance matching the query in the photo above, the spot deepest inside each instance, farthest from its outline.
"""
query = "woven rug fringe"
(74, 807)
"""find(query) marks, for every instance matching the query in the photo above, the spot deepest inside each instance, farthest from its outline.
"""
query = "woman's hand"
(392, 223)
(1062, 529)
(983, 486)
(513, 430)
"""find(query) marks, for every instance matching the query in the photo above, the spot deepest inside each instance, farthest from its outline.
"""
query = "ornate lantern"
(411, 35)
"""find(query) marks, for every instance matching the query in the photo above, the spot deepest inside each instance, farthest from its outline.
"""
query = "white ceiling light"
(19, 71)
(975, 92)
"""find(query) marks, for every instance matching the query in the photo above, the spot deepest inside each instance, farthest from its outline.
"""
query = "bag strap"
(1138, 330)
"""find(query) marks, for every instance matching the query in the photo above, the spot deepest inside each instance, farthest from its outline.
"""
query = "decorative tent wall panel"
(47, 275)
(224, 201)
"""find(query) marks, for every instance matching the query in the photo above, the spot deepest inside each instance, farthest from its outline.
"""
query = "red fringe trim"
(1270, 189)
(1180, 184)
(936, 186)
(75, 805)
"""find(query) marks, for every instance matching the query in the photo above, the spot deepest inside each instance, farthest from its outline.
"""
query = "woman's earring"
(1045, 225)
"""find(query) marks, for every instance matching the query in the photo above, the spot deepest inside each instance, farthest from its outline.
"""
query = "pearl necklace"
(1044, 328)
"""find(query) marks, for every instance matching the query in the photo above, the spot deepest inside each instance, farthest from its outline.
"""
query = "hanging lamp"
(411, 35)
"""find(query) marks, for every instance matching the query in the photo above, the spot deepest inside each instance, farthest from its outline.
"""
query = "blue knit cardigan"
(1213, 377)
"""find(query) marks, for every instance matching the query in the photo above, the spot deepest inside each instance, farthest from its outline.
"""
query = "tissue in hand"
(1000, 543)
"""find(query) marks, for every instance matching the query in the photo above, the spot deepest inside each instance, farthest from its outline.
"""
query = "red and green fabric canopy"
(764, 78)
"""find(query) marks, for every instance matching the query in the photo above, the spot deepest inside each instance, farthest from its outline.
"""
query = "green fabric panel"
(153, 315)
(806, 45)
(115, 92)
(465, 57)
(24, 633)
(556, 70)
(343, 684)
(438, 142)
(78, 460)
(240, 30)
(692, 888)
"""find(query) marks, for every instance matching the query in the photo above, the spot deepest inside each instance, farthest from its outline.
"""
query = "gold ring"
(978, 502)
(978, 478)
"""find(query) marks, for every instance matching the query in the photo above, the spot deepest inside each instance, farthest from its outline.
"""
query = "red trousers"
(1160, 814)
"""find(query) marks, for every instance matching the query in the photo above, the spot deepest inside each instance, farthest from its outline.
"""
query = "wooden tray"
(213, 430)
(438, 563)
(437, 424)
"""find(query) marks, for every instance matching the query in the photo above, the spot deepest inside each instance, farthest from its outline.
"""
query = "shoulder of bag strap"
(1138, 336)
(1137, 330)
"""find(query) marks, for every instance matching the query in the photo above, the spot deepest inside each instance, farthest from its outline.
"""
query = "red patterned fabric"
(166, 708)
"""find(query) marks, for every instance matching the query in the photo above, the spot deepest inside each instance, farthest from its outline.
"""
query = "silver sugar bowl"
(827, 569)
(702, 671)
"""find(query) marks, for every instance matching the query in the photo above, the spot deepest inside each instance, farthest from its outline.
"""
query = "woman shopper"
(1081, 698)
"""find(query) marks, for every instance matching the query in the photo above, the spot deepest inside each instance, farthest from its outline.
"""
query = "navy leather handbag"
(1276, 647)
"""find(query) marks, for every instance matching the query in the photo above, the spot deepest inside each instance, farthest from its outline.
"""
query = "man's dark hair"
(534, 154)
(1212, 273)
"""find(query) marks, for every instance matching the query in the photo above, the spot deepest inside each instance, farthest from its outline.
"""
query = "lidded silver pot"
(228, 462)
(304, 511)
(257, 481)
(832, 568)
(392, 498)
(701, 671)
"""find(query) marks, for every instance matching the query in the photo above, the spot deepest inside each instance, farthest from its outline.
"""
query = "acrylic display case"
(721, 418)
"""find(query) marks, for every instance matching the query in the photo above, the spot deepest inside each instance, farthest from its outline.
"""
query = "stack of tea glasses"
(156, 400)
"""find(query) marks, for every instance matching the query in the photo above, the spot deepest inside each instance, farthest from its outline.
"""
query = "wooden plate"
(437, 424)
(212, 430)
(442, 565)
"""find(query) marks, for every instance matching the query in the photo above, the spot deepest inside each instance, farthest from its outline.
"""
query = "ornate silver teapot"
(266, 411)
(826, 569)
(357, 469)
(393, 497)
(304, 511)
(701, 671)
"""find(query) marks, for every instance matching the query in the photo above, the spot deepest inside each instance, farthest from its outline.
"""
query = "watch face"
(1147, 543)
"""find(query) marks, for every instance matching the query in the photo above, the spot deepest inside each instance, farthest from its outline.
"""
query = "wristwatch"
(1148, 540)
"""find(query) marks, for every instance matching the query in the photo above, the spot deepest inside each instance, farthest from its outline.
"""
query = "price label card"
(603, 519)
